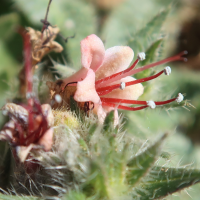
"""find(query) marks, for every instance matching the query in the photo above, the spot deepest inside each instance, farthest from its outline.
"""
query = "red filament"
(129, 72)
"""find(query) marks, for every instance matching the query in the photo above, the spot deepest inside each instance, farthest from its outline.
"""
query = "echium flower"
(30, 125)
(105, 82)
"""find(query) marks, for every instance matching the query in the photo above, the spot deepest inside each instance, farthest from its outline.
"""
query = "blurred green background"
(161, 28)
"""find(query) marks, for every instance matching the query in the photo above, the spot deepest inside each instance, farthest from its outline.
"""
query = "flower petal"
(47, 139)
(100, 113)
(23, 151)
(131, 92)
(47, 112)
(116, 59)
(78, 76)
(92, 50)
(86, 89)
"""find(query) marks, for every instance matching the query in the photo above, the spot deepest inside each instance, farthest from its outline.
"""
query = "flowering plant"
(104, 79)
(77, 146)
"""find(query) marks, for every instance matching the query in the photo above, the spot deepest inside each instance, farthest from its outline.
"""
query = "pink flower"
(105, 79)
(29, 127)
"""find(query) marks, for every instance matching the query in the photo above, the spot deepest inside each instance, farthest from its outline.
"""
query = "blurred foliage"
(144, 26)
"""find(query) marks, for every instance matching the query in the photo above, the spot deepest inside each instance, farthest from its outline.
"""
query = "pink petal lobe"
(116, 59)
(47, 139)
(86, 89)
(78, 76)
(23, 151)
(47, 112)
(92, 52)
(101, 114)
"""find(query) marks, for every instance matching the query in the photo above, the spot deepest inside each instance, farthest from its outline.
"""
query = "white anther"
(167, 70)
(141, 56)
(151, 104)
(179, 98)
(58, 98)
(122, 85)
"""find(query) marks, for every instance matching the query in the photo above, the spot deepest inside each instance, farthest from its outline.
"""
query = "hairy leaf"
(151, 52)
(148, 34)
(139, 165)
(163, 181)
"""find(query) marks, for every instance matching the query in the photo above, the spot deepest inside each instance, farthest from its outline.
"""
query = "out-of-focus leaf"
(150, 32)
(163, 181)
(62, 70)
(72, 17)
(126, 19)
(141, 163)
(8, 24)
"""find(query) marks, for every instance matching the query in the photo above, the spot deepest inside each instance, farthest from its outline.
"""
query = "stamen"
(179, 98)
(128, 72)
(122, 85)
(123, 107)
(151, 104)
(117, 74)
(108, 89)
(138, 102)
(167, 70)
(141, 56)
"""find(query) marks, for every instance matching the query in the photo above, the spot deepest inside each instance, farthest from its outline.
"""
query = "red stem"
(27, 58)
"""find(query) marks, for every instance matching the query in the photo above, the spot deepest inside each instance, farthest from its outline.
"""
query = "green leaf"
(163, 181)
(12, 197)
(96, 182)
(154, 25)
(148, 33)
(62, 70)
(8, 24)
(151, 56)
(126, 19)
(142, 163)
(152, 51)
